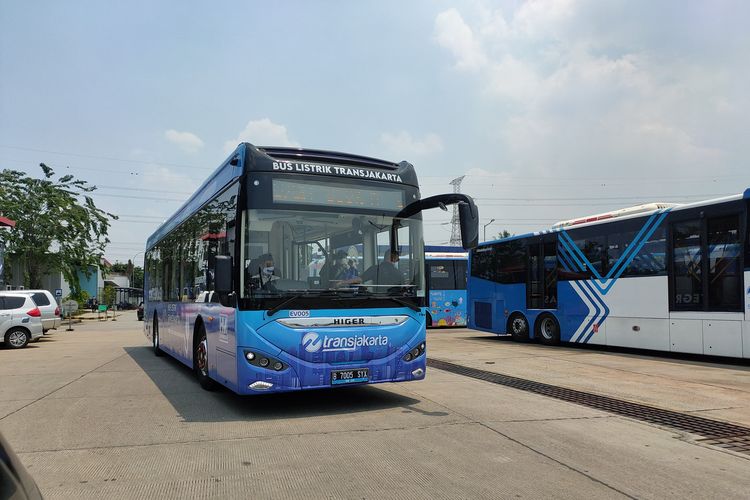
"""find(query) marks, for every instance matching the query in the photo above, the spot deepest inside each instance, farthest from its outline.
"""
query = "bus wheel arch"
(547, 329)
(200, 356)
(155, 339)
(518, 327)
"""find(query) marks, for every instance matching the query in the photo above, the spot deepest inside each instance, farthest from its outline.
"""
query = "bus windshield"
(288, 252)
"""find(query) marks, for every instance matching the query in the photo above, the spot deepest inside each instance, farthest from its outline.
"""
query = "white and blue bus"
(446, 271)
(235, 288)
(658, 276)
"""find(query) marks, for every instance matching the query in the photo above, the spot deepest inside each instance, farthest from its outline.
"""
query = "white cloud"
(405, 146)
(574, 96)
(262, 132)
(455, 35)
(187, 141)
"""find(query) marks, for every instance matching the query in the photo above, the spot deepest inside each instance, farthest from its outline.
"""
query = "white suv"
(46, 303)
(20, 319)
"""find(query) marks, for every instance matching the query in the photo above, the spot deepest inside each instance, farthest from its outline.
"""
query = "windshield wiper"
(281, 304)
(403, 303)
(392, 299)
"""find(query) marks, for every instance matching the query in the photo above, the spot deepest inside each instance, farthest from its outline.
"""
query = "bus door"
(541, 274)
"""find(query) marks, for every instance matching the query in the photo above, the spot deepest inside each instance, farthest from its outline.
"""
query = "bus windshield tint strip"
(329, 194)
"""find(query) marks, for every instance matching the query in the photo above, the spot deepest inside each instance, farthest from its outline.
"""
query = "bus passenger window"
(688, 275)
(724, 273)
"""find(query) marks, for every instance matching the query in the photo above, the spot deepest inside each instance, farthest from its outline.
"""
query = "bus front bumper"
(302, 375)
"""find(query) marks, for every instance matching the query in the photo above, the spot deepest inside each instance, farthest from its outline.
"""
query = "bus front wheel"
(547, 330)
(518, 326)
(200, 360)
(155, 337)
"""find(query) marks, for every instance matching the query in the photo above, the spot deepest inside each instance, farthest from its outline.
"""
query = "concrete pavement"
(93, 414)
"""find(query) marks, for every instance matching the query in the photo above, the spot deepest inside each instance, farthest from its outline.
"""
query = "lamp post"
(485, 229)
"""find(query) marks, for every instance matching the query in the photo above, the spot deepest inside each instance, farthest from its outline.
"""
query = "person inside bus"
(333, 270)
(263, 269)
(384, 273)
(351, 270)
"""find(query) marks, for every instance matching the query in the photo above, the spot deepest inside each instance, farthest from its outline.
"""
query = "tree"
(108, 295)
(137, 281)
(134, 273)
(58, 226)
(503, 234)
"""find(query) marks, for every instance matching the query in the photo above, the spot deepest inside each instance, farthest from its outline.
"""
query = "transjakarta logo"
(312, 342)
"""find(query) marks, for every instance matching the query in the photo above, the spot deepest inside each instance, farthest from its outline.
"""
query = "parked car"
(15, 481)
(139, 311)
(46, 303)
(20, 319)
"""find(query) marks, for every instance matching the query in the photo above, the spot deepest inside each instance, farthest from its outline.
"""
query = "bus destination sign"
(314, 168)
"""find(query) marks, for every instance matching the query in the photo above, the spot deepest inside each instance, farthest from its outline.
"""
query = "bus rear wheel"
(518, 326)
(547, 330)
(200, 360)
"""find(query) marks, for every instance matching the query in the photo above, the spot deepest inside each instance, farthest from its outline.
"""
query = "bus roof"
(604, 219)
(247, 157)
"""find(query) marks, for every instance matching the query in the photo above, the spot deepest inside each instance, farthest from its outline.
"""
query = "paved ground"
(712, 387)
(93, 414)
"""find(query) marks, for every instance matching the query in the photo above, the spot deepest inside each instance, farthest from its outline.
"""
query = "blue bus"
(235, 288)
(658, 276)
(445, 271)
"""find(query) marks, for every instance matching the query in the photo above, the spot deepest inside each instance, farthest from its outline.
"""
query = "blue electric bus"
(657, 276)
(235, 288)
(445, 272)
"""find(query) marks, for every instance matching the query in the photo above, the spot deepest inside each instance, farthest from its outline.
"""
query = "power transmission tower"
(455, 223)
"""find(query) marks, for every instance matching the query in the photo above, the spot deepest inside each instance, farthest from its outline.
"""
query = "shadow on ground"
(178, 384)
(669, 357)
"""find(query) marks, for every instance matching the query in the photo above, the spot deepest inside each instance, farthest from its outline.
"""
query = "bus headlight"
(416, 352)
(263, 361)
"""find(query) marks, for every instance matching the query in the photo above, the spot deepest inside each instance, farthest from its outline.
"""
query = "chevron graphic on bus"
(592, 291)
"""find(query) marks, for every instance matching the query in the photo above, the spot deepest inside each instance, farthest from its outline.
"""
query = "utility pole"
(455, 222)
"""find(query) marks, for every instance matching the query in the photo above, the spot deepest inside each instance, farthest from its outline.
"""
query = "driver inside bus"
(385, 273)
(263, 269)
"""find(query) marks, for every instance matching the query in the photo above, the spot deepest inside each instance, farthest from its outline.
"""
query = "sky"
(552, 109)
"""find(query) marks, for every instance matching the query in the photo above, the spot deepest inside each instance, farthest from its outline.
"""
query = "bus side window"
(724, 273)
(688, 270)
(460, 271)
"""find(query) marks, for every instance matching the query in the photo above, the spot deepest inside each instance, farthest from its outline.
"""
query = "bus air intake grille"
(724, 435)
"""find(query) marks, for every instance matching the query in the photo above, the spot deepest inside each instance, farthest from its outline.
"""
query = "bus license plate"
(358, 376)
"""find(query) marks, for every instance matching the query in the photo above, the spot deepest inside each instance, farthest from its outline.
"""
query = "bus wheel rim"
(548, 328)
(202, 356)
(17, 338)
(518, 325)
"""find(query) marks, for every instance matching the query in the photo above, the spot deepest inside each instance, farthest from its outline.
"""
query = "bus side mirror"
(469, 218)
(223, 274)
